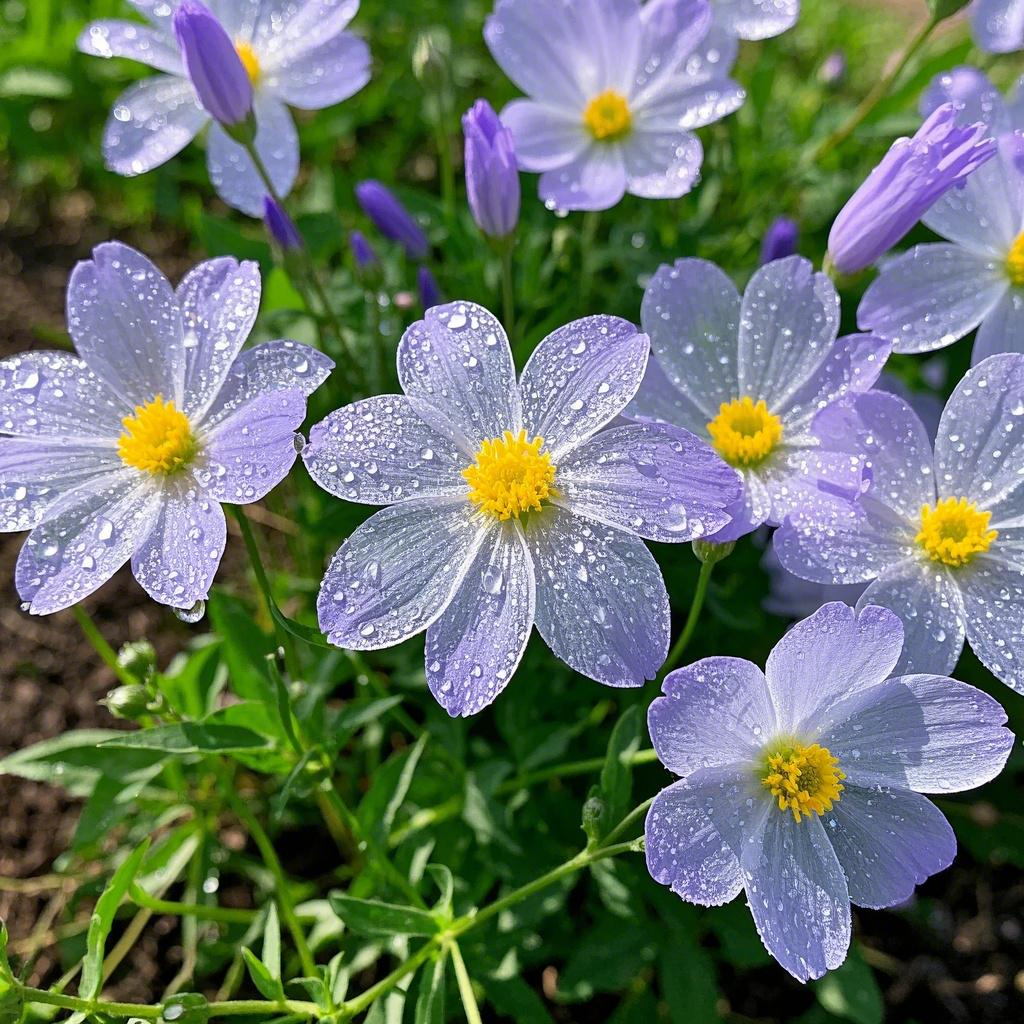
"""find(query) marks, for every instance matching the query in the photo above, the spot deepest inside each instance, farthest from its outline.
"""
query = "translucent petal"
(661, 164)
(149, 45)
(545, 137)
(594, 180)
(756, 19)
(993, 595)
(319, 76)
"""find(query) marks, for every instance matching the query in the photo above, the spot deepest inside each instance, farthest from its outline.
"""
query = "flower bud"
(430, 293)
(362, 251)
(128, 702)
(281, 227)
(138, 658)
(430, 56)
(779, 240)
(492, 176)
(709, 552)
(391, 218)
(213, 64)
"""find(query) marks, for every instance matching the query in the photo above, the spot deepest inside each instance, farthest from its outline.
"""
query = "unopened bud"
(709, 553)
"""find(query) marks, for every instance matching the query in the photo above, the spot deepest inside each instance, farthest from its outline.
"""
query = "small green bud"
(593, 815)
(942, 9)
(139, 659)
(710, 553)
(129, 702)
(187, 1008)
(431, 54)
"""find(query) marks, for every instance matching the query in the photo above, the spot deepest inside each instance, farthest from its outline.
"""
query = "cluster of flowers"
(519, 502)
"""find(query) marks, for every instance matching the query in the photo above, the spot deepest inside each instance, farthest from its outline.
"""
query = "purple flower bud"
(912, 176)
(391, 218)
(430, 294)
(833, 70)
(213, 64)
(492, 177)
(362, 250)
(779, 240)
(281, 227)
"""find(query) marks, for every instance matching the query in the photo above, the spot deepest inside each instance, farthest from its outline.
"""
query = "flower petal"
(379, 451)
(219, 302)
(178, 560)
(250, 452)
(660, 401)
(658, 482)
(473, 649)
(691, 311)
(1002, 330)
(458, 363)
(757, 19)
(998, 25)
(273, 366)
(126, 324)
(789, 319)
(151, 122)
(888, 841)
(545, 137)
(751, 510)
(232, 171)
(684, 849)
(816, 484)
(715, 712)
(661, 164)
(993, 595)
(285, 27)
(88, 535)
(594, 180)
(931, 296)
(580, 378)
(321, 75)
(675, 31)
(601, 602)
(835, 652)
(681, 104)
(110, 37)
(976, 98)
(398, 572)
(56, 395)
(798, 895)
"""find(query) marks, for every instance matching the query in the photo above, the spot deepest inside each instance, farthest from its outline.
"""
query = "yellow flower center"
(157, 439)
(1015, 262)
(510, 476)
(954, 531)
(804, 780)
(743, 433)
(251, 63)
(607, 116)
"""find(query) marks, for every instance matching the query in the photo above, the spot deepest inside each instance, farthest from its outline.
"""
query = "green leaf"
(851, 992)
(430, 1000)
(372, 917)
(245, 646)
(389, 788)
(617, 774)
(102, 920)
(188, 738)
(269, 986)
(687, 975)
(272, 942)
(514, 999)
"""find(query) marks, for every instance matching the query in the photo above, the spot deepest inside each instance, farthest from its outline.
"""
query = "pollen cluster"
(953, 531)
(743, 433)
(607, 116)
(251, 63)
(510, 476)
(1015, 262)
(804, 780)
(157, 439)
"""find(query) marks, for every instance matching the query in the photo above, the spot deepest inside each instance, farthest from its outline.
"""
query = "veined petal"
(88, 535)
(109, 37)
(757, 19)
(660, 401)
(753, 508)
(379, 451)
(1002, 330)
(150, 123)
(658, 482)
(594, 180)
(288, 27)
(601, 602)
(661, 164)
(176, 563)
(321, 75)
(993, 596)
(674, 33)
(398, 572)
(681, 104)
(545, 137)
(126, 324)
(579, 378)
(714, 713)
(473, 649)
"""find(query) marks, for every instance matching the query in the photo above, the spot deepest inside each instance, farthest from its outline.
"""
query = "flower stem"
(878, 92)
(679, 647)
(588, 255)
(102, 648)
(508, 299)
(465, 985)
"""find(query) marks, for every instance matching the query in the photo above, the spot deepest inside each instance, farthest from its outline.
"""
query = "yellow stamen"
(804, 779)
(607, 116)
(510, 476)
(157, 439)
(1015, 262)
(953, 531)
(251, 63)
(745, 434)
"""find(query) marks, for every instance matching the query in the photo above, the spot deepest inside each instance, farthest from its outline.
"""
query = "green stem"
(508, 294)
(102, 648)
(588, 255)
(465, 985)
(879, 91)
(679, 647)
(223, 915)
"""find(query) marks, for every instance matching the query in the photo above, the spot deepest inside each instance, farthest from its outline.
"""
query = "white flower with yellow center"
(938, 536)
(510, 506)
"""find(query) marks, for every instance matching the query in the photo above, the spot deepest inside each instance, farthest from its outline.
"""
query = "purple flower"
(935, 534)
(753, 375)
(833, 70)
(492, 177)
(802, 785)
(296, 54)
(391, 218)
(127, 449)
(998, 25)
(213, 64)
(615, 91)
(430, 293)
(362, 251)
(510, 506)
(975, 98)
(755, 19)
(779, 240)
(281, 227)
(912, 176)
